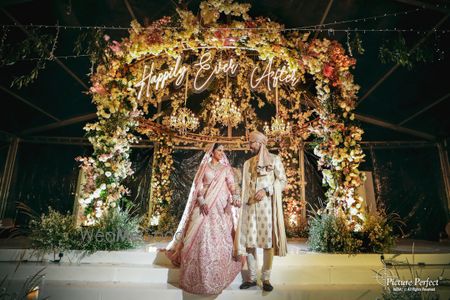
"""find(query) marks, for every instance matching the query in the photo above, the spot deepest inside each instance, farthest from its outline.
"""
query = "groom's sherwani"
(261, 224)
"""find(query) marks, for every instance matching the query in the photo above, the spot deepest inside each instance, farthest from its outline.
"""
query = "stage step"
(153, 267)
(100, 291)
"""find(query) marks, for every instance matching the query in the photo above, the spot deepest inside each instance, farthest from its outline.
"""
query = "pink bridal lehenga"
(203, 245)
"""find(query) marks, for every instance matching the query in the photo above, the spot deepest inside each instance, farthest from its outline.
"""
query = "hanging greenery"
(398, 52)
(94, 44)
(39, 46)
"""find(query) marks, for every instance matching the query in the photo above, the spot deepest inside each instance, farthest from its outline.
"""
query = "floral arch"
(223, 55)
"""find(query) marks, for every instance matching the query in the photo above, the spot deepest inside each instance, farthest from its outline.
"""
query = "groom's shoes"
(247, 284)
(267, 286)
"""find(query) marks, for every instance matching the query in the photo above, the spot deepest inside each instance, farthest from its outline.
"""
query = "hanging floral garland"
(122, 95)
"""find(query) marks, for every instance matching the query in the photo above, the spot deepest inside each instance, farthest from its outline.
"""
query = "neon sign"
(206, 70)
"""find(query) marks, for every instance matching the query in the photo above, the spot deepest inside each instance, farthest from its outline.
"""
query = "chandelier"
(184, 119)
(225, 110)
(279, 127)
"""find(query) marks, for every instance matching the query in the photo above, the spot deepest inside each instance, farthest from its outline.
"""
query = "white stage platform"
(146, 273)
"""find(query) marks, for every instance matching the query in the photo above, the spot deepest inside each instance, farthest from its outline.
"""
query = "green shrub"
(167, 224)
(377, 233)
(56, 232)
(116, 230)
(297, 230)
(329, 233)
(52, 232)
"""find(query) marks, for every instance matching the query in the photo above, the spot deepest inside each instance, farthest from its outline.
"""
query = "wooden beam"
(424, 109)
(62, 123)
(61, 64)
(445, 170)
(28, 103)
(381, 123)
(392, 70)
(130, 9)
(429, 6)
(324, 16)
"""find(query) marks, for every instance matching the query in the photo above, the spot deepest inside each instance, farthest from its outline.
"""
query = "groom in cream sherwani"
(261, 223)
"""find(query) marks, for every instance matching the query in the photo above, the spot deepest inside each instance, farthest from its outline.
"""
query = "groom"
(261, 223)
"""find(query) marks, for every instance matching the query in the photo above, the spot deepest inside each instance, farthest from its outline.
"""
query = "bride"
(203, 244)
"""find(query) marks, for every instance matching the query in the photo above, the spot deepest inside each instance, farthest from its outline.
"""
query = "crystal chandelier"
(225, 110)
(184, 119)
(279, 127)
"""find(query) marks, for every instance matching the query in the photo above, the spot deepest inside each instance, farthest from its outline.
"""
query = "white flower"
(154, 220)
(108, 174)
(103, 186)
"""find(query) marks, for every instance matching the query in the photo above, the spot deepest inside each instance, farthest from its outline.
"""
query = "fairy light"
(317, 27)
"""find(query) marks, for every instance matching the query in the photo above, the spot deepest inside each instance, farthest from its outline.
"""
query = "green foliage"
(52, 232)
(93, 43)
(56, 232)
(116, 230)
(356, 44)
(167, 225)
(378, 233)
(408, 295)
(299, 230)
(397, 52)
(329, 233)
(26, 291)
(37, 47)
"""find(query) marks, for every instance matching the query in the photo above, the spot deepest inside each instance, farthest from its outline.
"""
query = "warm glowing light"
(184, 120)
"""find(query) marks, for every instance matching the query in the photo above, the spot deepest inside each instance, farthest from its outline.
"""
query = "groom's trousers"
(266, 267)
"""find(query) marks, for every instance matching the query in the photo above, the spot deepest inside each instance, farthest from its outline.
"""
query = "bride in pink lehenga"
(203, 244)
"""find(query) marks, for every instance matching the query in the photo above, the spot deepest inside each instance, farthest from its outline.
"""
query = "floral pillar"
(293, 199)
(161, 192)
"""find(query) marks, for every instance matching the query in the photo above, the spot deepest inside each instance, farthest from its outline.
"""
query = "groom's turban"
(265, 161)
(258, 137)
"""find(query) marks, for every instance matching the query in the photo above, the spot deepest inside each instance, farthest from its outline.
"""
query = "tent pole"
(7, 175)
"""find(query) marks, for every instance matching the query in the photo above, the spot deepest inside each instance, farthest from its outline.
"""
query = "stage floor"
(145, 272)
(296, 245)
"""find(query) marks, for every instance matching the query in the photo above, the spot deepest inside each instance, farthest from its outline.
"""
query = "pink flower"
(106, 37)
(116, 47)
(97, 88)
(327, 70)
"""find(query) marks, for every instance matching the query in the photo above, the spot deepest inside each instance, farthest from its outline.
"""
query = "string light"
(309, 28)
(315, 28)
(51, 55)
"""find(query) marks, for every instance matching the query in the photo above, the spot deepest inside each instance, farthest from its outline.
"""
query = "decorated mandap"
(243, 68)
(105, 212)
